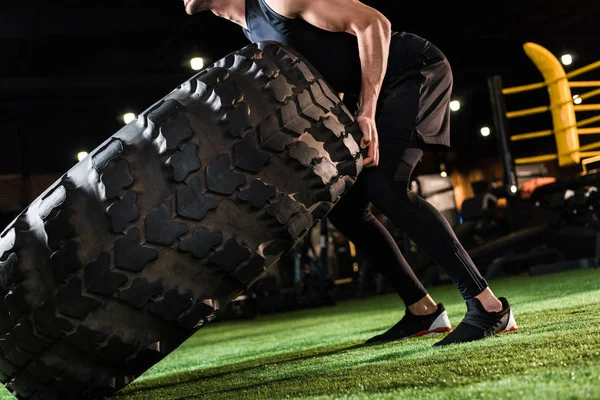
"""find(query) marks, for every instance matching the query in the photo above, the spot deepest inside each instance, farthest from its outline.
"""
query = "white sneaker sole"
(440, 325)
(511, 326)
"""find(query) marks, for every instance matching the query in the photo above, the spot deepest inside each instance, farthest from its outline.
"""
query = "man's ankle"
(425, 306)
(489, 301)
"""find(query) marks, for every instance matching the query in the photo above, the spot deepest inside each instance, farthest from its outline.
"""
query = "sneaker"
(479, 323)
(416, 325)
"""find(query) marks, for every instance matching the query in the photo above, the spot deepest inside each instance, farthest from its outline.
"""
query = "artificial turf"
(318, 353)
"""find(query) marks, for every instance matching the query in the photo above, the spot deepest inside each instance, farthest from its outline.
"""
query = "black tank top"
(334, 54)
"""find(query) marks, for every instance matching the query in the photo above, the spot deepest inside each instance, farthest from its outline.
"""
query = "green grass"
(318, 354)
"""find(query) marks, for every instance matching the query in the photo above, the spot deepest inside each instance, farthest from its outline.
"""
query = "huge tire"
(176, 214)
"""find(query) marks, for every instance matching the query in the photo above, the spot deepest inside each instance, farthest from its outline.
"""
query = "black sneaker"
(416, 325)
(478, 323)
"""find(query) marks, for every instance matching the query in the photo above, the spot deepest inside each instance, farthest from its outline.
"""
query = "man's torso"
(334, 54)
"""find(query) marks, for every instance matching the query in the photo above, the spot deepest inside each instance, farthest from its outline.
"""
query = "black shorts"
(415, 99)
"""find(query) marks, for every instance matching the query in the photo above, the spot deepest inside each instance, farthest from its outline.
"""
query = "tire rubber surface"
(139, 244)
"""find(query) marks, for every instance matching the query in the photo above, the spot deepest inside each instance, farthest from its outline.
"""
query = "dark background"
(69, 71)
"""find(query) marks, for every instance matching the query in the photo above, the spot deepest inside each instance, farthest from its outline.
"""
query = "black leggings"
(387, 187)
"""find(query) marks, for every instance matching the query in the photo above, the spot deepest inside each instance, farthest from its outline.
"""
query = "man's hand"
(369, 141)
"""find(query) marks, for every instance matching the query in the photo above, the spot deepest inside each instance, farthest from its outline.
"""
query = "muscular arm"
(371, 28)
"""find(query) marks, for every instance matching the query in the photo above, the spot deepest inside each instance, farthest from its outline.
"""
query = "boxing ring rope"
(563, 108)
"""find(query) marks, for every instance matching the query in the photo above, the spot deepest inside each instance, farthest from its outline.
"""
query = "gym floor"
(318, 353)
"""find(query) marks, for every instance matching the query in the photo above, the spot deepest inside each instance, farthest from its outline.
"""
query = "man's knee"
(349, 221)
(349, 215)
(393, 186)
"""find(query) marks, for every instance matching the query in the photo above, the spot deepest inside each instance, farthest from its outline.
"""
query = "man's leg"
(389, 192)
(352, 217)
(424, 224)
(414, 106)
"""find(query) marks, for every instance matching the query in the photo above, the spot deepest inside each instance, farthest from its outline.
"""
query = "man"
(403, 84)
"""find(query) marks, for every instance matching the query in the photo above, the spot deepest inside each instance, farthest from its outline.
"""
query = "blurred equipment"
(553, 216)
(304, 277)
(439, 192)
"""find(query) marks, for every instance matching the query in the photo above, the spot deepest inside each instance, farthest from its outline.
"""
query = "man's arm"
(372, 30)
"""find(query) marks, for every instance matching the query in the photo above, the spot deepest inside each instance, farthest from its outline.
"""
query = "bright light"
(128, 117)
(197, 63)
(513, 189)
(566, 59)
(81, 155)
(455, 105)
(485, 131)
(443, 172)
(577, 99)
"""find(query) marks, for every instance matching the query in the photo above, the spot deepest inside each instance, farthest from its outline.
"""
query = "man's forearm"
(374, 48)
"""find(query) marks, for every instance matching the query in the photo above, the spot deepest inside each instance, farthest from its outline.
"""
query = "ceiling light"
(197, 63)
(566, 59)
(128, 117)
